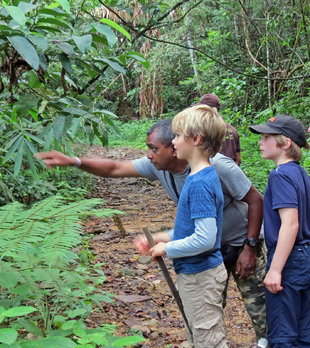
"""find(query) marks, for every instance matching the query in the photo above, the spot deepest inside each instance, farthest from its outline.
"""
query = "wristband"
(78, 162)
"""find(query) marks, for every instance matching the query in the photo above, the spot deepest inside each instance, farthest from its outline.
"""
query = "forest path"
(145, 303)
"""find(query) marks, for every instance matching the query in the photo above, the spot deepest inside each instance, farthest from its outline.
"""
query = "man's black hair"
(163, 128)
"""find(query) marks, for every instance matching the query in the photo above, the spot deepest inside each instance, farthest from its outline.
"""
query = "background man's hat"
(285, 125)
(211, 100)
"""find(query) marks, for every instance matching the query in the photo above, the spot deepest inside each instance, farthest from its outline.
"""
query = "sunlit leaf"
(106, 31)
(18, 311)
(65, 5)
(116, 26)
(8, 336)
(83, 42)
(66, 48)
(17, 14)
(140, 58)
(114, 65)
(56, 22)
(38, 41)
(26, 7)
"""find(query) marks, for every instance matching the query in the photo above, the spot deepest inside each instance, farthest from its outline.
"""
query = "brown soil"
(144, 302)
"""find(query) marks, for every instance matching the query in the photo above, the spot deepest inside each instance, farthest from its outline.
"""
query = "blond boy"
(194, 244)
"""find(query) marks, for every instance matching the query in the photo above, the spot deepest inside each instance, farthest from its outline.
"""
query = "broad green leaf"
(59, 126)
(75, 111)
(38, 41)
(18, 311)
(126, 341)
(26, 7)
(106, 31)
(139, 57)
(66, 63)
(99, 39)
(26, 103)
(8, 280)
(116, 26)
(50, 12)
(5, 29)
(43, 61)
(56, 22)
(48, 29)
(68, 325)
(65, 5)
(114, 65)
(91, 69)
(83, 42)
(19, 158)
(8, 336)
(17, 14)
(26, 50)
(66, 48)
(33, 81)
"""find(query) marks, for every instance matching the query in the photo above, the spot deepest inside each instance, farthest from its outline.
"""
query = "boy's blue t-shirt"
(288, 187)
(201, 197)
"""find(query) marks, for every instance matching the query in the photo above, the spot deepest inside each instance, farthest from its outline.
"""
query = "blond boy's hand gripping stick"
(167, 277)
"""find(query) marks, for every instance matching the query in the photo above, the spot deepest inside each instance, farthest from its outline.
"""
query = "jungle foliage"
(67, 68)
(48, 283)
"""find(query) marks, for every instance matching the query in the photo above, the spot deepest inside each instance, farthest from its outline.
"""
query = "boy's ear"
(287, 145)
(197, 140)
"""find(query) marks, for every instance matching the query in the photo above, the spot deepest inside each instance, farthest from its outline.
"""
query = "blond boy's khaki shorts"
(201, 295)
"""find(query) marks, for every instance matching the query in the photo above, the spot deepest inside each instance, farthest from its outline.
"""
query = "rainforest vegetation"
(78, 73)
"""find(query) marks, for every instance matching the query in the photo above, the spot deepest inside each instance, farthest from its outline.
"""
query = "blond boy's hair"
(293, 152)
(201, 120)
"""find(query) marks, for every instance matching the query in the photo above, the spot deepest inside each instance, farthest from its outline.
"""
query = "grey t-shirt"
(234, 183)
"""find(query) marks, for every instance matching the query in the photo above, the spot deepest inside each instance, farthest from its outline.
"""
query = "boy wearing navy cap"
(287, 233)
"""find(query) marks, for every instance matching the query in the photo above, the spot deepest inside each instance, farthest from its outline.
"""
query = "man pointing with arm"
(243, 206)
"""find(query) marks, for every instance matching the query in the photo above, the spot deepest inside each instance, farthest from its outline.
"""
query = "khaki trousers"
(201, 295)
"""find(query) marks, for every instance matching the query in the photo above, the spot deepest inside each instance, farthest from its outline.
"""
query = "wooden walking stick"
(167, 277)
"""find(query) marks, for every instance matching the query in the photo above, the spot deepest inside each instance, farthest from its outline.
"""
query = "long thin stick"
(167, 277)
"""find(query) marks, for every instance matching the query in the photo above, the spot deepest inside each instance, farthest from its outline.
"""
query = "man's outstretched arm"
(98, 166)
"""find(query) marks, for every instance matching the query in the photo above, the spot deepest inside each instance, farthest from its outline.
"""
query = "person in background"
(194, 244)
(287, 233)
(231, 144)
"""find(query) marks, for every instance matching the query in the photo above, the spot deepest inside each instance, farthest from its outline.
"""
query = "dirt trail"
(145, 304)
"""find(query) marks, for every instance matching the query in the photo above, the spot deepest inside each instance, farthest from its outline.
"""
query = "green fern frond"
(51, 224)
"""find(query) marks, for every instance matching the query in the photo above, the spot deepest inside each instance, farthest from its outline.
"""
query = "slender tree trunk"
(268, 60)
